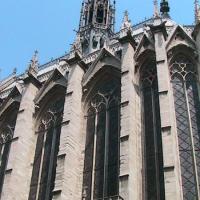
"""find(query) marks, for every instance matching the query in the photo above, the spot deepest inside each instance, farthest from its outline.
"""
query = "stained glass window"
(152, 140)
(101, 167)
(186, 100)
(47, 147)
(6, 136)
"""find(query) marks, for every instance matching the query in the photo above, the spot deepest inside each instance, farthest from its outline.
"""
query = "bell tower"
(96, 24)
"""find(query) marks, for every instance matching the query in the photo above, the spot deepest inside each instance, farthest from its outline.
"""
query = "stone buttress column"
(68, 184)
(23, 147)
(130, 186)
(168, 127)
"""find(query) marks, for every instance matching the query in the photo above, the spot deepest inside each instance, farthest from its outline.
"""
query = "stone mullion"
(51, 162)
(41, 164)
(1, 152)
(94, 154)
(105, 180)
(165, 113)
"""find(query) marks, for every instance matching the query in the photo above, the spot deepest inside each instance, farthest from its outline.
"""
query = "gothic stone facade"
(116, 118)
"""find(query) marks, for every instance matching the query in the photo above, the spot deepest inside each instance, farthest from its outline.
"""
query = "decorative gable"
(145, 45)
(105, 59)
(13, 97)
(179, 37)
(58, 78)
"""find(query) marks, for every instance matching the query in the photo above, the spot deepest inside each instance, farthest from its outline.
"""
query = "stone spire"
(164, 8)
(156, 11)
(96, 24)
(14, 71)
(99, 12)
(126, 22)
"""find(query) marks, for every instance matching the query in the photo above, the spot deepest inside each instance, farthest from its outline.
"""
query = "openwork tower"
(116, 118)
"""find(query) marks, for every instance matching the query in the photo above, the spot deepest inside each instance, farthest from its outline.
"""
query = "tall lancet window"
(6, 135)
(187, 109)
(47, 147)
(101, 168)
(152, 140)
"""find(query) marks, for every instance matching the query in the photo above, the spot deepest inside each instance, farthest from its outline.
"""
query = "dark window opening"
(94, 42)
(6, 136)
(91, 16)
(47, 147)
(100, 14)
(102, 41)
(152, 139)
(119, 54)
(86, 18)
(101, 165)
(187, 109)
(105, 18)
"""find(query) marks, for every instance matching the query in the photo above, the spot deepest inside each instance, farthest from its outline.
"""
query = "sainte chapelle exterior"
(116, 118)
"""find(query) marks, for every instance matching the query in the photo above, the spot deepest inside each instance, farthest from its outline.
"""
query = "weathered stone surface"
(126, 54)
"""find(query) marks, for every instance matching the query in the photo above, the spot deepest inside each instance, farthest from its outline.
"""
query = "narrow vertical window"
(6, 136)
(100, 14)
(187, 109)
(102, 146)
(5, 142)
(47, 147)
(152, 140)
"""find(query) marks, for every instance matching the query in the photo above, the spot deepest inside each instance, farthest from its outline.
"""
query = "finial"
(15, 71)
(33, 65)
(156, 11)
(164, 8)
(77, 43)
(126, 22)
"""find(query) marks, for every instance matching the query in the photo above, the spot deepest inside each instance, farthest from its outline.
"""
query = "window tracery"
(47, 147)
(187, 109)
(152, 140)
(6, 136)
(102, 144)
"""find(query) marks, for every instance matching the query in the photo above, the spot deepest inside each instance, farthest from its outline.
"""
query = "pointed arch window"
(187, 109)
(101, 167)
(152, 140)
(47, 147)
(6, 137)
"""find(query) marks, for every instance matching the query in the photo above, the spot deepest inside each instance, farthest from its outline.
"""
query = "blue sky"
(47, 25)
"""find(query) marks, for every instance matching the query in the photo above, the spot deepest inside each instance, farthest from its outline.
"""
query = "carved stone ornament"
(6, 134)
(51, 116)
